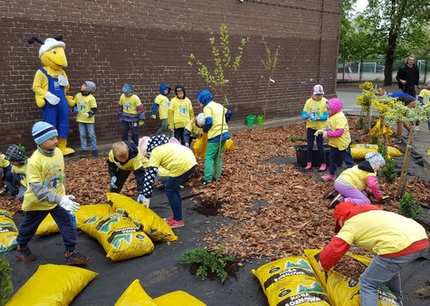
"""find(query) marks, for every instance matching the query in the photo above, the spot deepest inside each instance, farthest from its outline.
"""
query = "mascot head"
(51, 52)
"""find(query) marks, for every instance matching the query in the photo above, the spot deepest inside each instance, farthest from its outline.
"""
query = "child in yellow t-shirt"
(339, 138)
(87, 107)
(46, 194)
(194, 129)
(315, 113)
(132, 111)
(161, 106)
(180, 113)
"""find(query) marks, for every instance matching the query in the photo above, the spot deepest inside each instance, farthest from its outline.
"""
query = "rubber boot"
(62, 145)
(323, 167)
(308, 166)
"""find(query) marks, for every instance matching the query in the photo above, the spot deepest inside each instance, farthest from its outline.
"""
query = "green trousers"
(213, 161)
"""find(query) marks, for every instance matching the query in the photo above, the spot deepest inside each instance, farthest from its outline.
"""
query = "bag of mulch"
(135, 295)
(176, 298)
(49, 227)
(8, 231)
(120, 237)
(343, 290)
(152, 224)
(291, 281)
(199, 146)
(52, 285)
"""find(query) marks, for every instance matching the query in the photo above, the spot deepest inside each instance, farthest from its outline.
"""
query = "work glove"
(62, 81)
(51, 98)
(187, 145)
(143, 200)
(154, 116)
(113, 182)
(87, 115)
(313, 117)
(68, 204)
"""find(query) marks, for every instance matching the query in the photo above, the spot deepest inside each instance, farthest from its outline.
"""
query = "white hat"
(201, 119)
(50, 43)
(375, 160)
(318, 89)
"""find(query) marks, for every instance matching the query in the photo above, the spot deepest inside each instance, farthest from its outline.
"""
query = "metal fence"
(373, 70)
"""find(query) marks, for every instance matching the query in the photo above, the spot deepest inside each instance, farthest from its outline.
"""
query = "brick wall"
(144, 42)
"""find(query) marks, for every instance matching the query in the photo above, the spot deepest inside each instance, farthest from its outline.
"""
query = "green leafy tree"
(393, 22)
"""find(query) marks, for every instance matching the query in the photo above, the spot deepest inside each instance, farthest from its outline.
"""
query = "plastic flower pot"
(301, 155)
(260, 120)
(250, 120)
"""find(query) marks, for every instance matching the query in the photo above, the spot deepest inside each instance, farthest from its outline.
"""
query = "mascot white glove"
(62, 81)
(51, 98)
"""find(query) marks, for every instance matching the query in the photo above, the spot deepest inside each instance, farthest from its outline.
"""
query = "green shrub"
(208, 261)
(409, 207)
(6, 287)
(389, 170)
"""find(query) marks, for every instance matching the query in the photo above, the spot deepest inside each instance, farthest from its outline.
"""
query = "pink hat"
(335, 105)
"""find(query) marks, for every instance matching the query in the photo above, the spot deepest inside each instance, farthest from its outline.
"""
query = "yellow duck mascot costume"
(50, 86)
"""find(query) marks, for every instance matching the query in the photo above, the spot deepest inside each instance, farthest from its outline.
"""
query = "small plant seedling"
(409, 207)
(5, 281)
(208, 262)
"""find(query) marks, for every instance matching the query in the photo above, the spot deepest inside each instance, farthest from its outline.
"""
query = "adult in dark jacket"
(408, 76)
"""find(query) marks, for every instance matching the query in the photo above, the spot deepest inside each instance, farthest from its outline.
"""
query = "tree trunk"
(389, 58)
(405, 167)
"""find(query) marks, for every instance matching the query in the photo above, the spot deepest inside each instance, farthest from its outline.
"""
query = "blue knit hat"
(43, 131)
(204, 96)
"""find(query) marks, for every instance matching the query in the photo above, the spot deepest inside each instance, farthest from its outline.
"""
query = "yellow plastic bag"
(291, 281)
(152, 223)
(135, 295)
(359, 151)
(342, 290)
(176, 298)
(229, 145)
(52, 285)
(8, 231)
(47, 227)
(199, 146)
(120, 237)
(377, 130)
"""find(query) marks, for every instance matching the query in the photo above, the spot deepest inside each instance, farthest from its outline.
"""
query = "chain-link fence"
(373, 70)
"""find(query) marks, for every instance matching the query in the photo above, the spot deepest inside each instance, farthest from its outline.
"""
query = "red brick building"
(144, 42)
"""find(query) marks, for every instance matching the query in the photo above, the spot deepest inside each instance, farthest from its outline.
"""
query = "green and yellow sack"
(152, 224)
(8, 231)
(120, 237)
(291, 281)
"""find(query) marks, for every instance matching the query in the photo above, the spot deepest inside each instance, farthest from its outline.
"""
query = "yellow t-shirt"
(163, 106)
(129, 104)
(217, 112)
(355, 177)
(180, 112)
(318, 107)
(425, 93)
(381, 232)
(84, 105)
(176, 159)
(3, 161)
(195, 131)
(131, 165)
(45, 170)
(339, 121)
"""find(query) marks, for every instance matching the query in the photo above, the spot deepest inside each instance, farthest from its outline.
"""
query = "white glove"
(143, 200)
(324, 133)
(113, 182)
(153, 116)
(87, 115)
(187, 145)
(51, 98)
(68, 204)
(62, 81)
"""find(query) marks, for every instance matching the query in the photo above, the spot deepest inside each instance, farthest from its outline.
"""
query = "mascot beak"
(55, 56)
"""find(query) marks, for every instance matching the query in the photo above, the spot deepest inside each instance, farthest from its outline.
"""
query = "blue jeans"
(87, 134)
(65, 220)
(173, 194)
(384, 271)
(337, 158)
